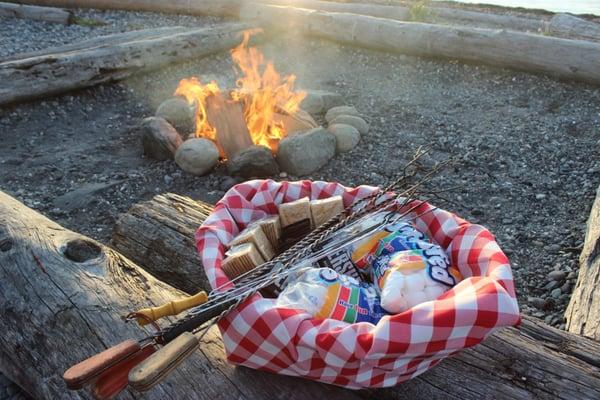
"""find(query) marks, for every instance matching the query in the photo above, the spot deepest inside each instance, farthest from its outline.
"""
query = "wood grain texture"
(48, 14)
(110, 60)
(159, 236)
(583, 311)
(227, 118)
(562, 58)
(566, 25)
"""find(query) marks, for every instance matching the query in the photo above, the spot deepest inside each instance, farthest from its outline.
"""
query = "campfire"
(257, 128)
(259, 111)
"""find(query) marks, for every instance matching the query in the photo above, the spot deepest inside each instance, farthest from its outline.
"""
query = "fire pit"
(258, 128)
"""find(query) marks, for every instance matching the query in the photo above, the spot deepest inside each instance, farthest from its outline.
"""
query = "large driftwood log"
(159, 235)
(107, 60)
(484, 19)
(563, 58)
(566, 25)
(76, 291)
(432, 14)
(583, 311)
(191, 7)
(48, 14)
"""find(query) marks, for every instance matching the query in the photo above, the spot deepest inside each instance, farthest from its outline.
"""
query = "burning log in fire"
(262, 110)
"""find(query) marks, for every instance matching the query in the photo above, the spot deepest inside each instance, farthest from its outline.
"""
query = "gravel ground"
(530, 161)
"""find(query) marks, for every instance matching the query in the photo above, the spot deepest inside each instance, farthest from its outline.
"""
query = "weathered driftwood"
(109, 60)
(432, 14)
(568, 59)
(48, 14)
(59, 287)
(583, 311)
(114, 39)
(484, 19)
(374, 10)
(191, 7)
(159, 235)
(566, 25)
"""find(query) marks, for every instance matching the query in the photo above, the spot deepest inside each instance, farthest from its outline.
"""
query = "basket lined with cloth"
(259, 335)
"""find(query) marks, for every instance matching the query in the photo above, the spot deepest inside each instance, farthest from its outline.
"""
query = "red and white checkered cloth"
(399, 347)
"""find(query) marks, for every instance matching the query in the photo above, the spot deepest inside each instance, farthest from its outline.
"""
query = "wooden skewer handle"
(115, 379)
(156, 367)
(89, 369)
(171, 308)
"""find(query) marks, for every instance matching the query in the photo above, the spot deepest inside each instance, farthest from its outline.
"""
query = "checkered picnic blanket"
(399, 347)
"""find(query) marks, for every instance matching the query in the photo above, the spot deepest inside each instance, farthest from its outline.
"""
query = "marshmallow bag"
(400, 347)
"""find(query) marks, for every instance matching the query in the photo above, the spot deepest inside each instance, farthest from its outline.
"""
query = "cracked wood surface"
(109, 59)
(159, 236)
(583, 311)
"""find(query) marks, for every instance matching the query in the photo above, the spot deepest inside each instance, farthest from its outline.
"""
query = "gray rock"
(197, 156)
(557, 275)
(556, 293)
(83, 196)
(178, 113)
(553, 248)
(541, 304)
(566, 288)
(159, 139)
(255, 161)
(346, 137)
(306, 152)
(551, 285)
(352, 120)
(334, 112)
(319, 101)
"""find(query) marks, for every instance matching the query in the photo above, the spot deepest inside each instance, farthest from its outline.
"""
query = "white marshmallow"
(416, 282)
(434, 291)
(413, 298)
(391, 295)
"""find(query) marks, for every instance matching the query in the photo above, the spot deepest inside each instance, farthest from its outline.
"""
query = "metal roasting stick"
(209, 309)
(307, 262)
(277, 275)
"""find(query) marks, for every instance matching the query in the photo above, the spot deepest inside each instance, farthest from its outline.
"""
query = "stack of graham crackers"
(264, 239)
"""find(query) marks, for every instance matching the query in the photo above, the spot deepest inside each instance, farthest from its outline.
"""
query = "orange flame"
(260, 89)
